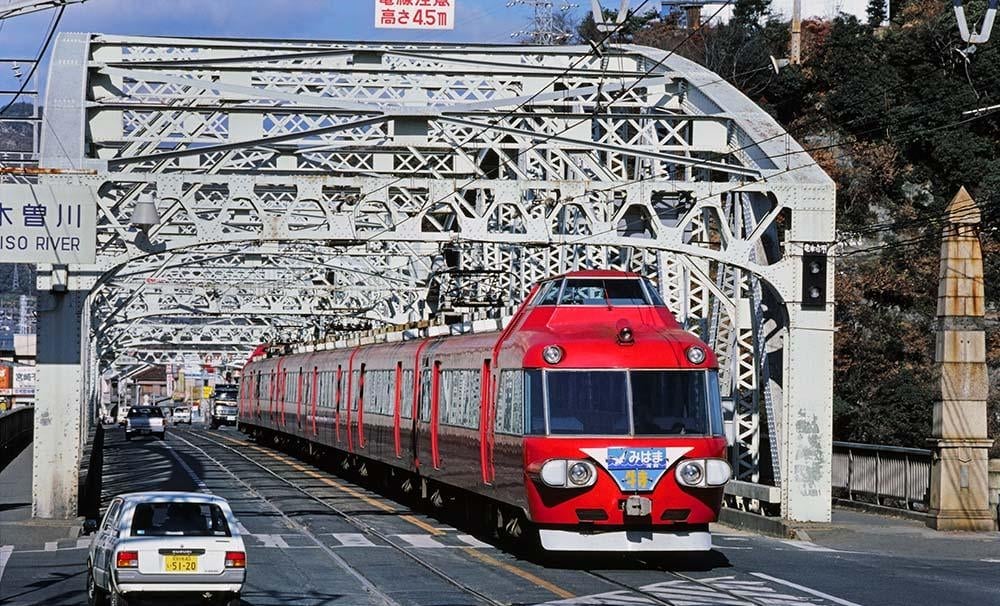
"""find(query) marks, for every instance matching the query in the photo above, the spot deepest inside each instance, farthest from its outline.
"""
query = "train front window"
(638, 402)
(587, 402)
(597, 291)
(669, 402)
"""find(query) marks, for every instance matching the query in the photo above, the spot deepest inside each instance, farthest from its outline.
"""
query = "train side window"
(406, 406)
(510, 403)
(340, 386)
(425, 395)
(534, 403)
(460, 397)
(549, 293)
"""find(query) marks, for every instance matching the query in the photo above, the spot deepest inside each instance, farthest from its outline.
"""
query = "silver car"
(163, 544)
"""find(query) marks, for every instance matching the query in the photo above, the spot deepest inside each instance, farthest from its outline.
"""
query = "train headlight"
(695, 354)
(560, 473)
(581, 473)
(554, 473)
(553, 354)
(717, 472)
(691, 473)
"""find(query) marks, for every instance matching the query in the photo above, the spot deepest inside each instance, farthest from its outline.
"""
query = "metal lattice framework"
(305, 187)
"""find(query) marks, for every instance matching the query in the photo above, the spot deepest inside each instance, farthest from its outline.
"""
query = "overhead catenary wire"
(53, 27)
(431, 203)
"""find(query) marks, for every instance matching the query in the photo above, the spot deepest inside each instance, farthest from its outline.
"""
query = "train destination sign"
(415, 14)
(54, 224)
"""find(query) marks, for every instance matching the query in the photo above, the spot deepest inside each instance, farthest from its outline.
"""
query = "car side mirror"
(89, 526)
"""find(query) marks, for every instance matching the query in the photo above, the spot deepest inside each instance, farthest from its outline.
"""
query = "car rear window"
(144, 412)
(179, 519)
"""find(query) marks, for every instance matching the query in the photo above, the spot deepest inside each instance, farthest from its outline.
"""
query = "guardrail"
(17, 426)
(889, 476)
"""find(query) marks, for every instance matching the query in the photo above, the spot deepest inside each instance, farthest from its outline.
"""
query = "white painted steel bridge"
(312, 189)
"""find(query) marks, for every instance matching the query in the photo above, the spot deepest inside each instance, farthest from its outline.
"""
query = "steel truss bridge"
(313, 189)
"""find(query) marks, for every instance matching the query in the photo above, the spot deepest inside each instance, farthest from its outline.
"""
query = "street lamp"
(144, 215)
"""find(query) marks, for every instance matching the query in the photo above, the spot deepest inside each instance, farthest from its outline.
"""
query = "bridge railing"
(16, 428)
(889, 476)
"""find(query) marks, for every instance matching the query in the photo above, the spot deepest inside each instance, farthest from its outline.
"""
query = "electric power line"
(41, 53)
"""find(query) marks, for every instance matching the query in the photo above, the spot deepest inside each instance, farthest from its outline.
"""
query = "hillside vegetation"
(881, 110)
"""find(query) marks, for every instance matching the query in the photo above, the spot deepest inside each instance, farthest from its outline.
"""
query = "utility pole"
(543, 29)
(795, 53)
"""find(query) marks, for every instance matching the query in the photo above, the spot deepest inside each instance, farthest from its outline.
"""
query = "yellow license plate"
(180, 563)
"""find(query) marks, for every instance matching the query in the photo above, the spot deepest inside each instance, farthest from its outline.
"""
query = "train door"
(486, 424)
(338, 397)
(397, 404)
(315, 399)
(360, 407)
(435, 405)
(299, 394)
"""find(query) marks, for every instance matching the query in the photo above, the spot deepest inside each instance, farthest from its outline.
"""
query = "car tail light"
(236, 559)
(127, 559)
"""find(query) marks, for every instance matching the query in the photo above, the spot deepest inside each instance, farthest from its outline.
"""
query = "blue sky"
(481, 21)
(476, 21)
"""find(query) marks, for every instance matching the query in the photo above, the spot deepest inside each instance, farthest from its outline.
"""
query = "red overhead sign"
(415, 14)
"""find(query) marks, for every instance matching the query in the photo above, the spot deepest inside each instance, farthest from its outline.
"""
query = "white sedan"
(160, 544)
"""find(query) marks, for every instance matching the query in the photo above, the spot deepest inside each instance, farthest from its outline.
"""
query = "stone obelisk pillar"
(959, 477)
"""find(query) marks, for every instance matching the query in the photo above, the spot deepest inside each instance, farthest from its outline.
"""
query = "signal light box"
(54, 224)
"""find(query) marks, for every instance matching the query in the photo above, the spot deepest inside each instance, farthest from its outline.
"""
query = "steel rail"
(352, 520)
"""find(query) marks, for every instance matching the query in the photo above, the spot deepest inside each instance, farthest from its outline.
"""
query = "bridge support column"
(959, 472)
(807, 417)
(61, 398)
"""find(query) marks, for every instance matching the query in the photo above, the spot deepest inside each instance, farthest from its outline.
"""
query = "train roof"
(595, 273)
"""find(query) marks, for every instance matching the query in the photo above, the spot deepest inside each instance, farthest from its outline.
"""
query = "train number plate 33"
(180, 563)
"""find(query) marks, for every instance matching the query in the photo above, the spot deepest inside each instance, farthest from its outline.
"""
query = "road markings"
(272, 540)
(420, 540)
(5, 552)
(187, 469)
(51, 545)
(352, 539)
(524, 574)
(472, 541)
(990, 560)
(807, 546)
(345, 489)
(819, 594)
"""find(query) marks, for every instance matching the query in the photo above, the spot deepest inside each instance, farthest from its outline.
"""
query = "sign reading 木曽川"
(54, 224)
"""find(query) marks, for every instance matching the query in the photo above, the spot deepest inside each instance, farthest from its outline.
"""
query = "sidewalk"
(880, 534)
(16, 526)
(853, 531)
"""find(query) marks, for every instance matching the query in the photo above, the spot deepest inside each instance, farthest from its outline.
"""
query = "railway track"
(354, 520)
(266, 461)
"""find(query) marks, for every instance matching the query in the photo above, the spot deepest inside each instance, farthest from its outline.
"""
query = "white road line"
(731, 547)
(272, 540)
(352, 539)
(420, 540)
(187, 469)
(725, 538)
(807, 546)
(51, 545)
(814, 592)
(472, 541)
(990, 560)
(5, 552)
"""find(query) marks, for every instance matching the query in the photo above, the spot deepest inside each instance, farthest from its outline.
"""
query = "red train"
(592, 416)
